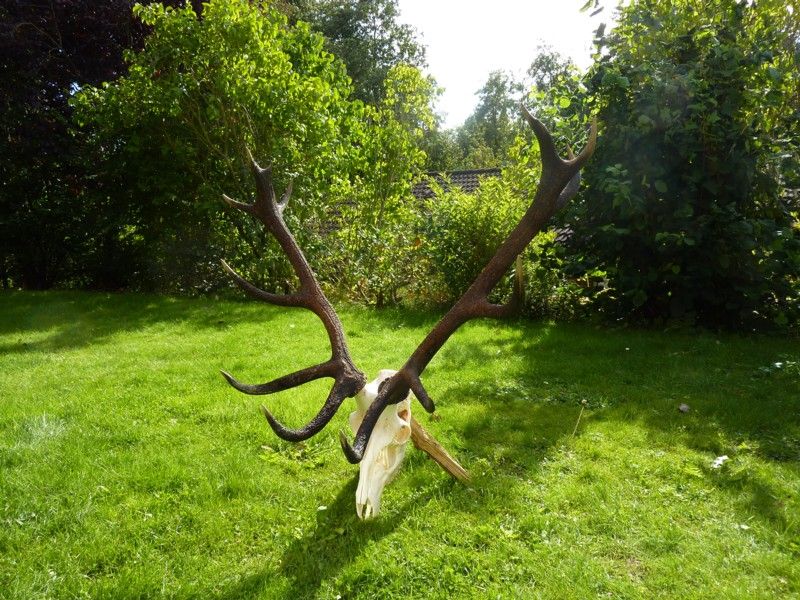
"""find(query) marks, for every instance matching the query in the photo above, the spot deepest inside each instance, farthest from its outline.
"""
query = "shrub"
(685, 206)
(172, 135)
(463, 231)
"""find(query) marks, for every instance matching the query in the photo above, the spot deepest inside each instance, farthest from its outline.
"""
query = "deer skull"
(386, 448)
(380, 447)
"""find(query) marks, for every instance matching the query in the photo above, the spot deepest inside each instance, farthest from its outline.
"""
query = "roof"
(466, 181)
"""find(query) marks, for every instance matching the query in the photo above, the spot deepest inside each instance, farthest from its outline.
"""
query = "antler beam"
(347, 378)
(559, 182)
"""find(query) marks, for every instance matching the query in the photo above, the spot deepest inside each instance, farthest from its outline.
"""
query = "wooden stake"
(427, 443)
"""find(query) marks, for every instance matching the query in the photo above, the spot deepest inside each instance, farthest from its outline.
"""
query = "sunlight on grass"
(128, 468)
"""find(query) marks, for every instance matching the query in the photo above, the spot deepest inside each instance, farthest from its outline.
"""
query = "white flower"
(719, 461)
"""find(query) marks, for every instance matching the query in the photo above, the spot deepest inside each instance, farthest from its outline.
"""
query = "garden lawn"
(130, 469)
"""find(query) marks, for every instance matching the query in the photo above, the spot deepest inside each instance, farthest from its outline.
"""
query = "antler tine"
(421, 393)
(355, 452)
(547, 147)
(588, 149)
(258, 293)
(248, 208)
(326, 369)
(569, 192)
(340, 391)
(348, 379)
(559, 182)
(285, 198)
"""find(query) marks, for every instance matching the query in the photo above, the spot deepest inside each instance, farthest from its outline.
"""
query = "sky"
(467, 39)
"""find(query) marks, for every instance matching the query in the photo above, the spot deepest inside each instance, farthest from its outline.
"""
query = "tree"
(174, 134)
(686, 207)
(48, 50)
(378, 245)
(367, 36)
(548, 69)
(488, 133)
(176, 129)
(442, 149)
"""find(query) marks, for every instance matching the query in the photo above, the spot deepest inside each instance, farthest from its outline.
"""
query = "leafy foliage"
(691, 211)
(200, 94)
(487, 134)
(685, 209)
(50, 231)
(376, 244)
(548, 69)
(203, 91)
(464, 230)
(366, 36)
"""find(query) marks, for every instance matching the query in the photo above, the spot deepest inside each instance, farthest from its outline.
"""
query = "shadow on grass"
(79, 319)
(646, 376)
(735, 392)
(336, 539)
(640, 377)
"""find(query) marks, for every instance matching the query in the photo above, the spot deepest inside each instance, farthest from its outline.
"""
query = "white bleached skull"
(386, 447)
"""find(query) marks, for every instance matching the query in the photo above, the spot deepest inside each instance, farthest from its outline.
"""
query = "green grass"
(129, 469)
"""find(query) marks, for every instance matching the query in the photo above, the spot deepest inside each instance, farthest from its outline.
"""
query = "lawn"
(129, 468)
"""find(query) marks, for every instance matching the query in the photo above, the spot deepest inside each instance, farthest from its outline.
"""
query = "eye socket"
(403, 414)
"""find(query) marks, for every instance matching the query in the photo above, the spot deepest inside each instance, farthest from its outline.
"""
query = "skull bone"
(386, 447)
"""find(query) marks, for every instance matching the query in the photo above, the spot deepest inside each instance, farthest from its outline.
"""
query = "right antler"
(347, 378)
(559, 182)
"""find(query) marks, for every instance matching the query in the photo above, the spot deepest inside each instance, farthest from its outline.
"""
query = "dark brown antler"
(559, 182)
(347, 378)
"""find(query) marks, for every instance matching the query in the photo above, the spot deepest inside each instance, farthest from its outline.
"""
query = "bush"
(172, 135)
(463, 231)
(685, 206)
(550, 292)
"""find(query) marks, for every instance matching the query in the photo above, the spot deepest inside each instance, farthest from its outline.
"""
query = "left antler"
(559, 182)
(347, 378)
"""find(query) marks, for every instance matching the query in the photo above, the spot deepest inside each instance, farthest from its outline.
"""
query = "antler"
(347, 378)
(559, 182)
